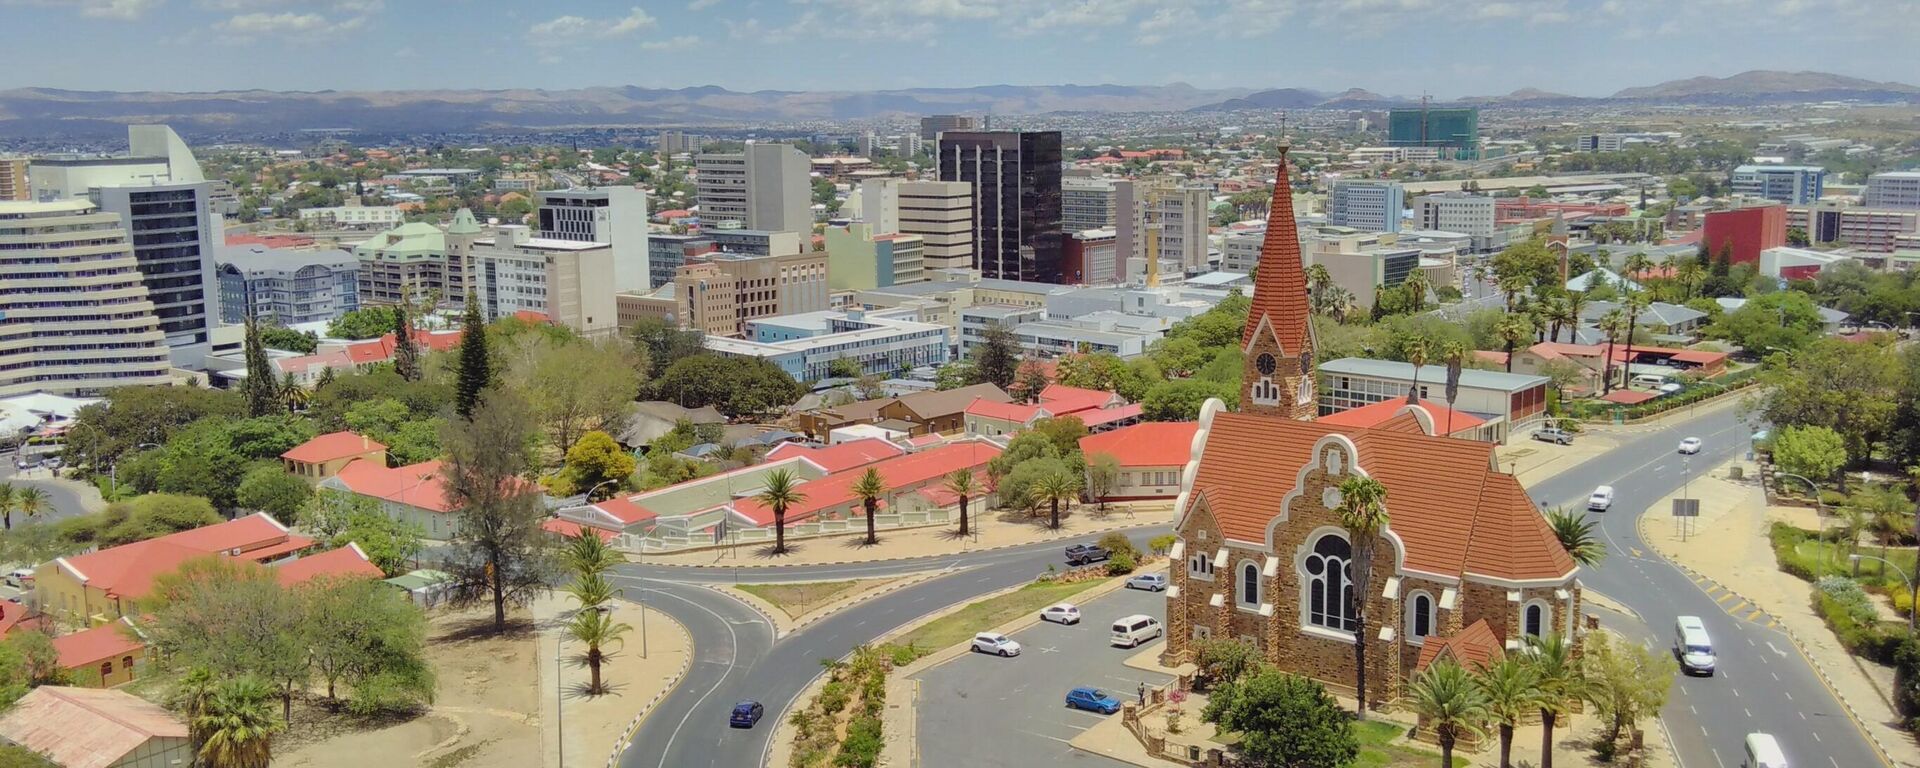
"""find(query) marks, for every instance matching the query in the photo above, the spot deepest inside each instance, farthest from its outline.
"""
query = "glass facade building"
(1016, 199)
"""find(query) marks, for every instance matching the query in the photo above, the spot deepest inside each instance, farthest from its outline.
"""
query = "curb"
(1819, 671)
(901, 582)
(633, 726)
(1092, 532)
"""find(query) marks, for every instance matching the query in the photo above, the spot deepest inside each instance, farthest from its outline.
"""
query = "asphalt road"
(980, 710)
(1761, 683)
(65, 502)
(736, 659)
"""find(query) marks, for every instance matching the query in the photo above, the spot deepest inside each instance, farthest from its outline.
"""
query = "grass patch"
(992, 612)
(1378, 750)
(799, 599)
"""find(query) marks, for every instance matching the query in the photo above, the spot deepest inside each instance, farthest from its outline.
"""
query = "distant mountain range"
(27, 112)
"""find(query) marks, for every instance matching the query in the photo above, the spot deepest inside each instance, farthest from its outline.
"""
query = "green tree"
(406, 354)
(475, 366)
(1614, 325)
(779, 491)
(1575, 532)
(1513, 328)
(844, 368)
(1103, 474)
(1625, 682)
(499, 552)
(8, 499)
(1814, 452)
(596, 630)
(1057, 486)
(870, 489)
(1363, 512)
(662, 344)
(338, 518)
(737, 387)
(1224, 661)
(368, 323)
(1560, 680)
(588, 554)
(191, 696)
(1027, 384)
(1285, 721)
(360, 629)
(961, 483)
(1852, 388)
(595, 459)
(1181, 400)
(268, 488)
(263, 396)
(1786, 320)
(1447, 701)
(1511, 689)
(237, 725)
(574, 386)
(277, 337)
(232, 617)
(997, 360)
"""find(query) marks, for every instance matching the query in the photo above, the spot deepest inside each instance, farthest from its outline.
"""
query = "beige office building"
(763, 186)
(13, 179)
(568, 281)
(941, 213)
(76, 317)
(1180, 212)
(718, 293)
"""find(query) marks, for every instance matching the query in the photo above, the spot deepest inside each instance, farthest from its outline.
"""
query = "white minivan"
(1131, 631)
(1692, 645)
(1763, 751)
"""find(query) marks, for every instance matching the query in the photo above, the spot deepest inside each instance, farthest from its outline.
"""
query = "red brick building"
(1748, 230)
(1465, 561)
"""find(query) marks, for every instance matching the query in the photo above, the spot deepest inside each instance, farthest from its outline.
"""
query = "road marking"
(1776, 676)
(1816, 735)
(1716, 753)
(1736, 692)
(1748, 711)
(667, 749)
(1049, 650)
(1045, 736)
(1803, 715)
(1836, 763)
(1756, 615)
(1788, 693)
(1724, 598)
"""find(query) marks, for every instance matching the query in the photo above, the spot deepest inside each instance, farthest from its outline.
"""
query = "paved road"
(66, 502)
(1762, 683)
(689, 729)
(980, 710)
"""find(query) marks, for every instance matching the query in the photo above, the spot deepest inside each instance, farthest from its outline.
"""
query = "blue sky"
(1445, 47)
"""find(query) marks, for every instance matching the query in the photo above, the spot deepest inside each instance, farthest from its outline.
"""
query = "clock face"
(1265, 363)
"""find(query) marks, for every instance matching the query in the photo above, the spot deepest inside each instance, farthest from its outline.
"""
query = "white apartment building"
(74, 313)
(1893, 189)
(568, 281)
(1375, 205)
(1240, 250)
(355, 216)
(1180, 213)
(1461, 212)
(616, 216)
(764, 186)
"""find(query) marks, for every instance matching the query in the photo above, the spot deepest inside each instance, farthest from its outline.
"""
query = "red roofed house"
(414, 494)
(841, 456)
(80, 728)
(324, 456)
(99, 587)
(104, 656)
(1098, 409)
(1151, 454)
(1262, 554)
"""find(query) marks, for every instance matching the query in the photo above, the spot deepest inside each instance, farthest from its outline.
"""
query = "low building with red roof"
(102, 586)
(415, 494)
(104, 656)
(348, 562)
(1412, 415)
(1098, 409)
(1151, 455)
(324, 456)
(842, 456)
(87, 728)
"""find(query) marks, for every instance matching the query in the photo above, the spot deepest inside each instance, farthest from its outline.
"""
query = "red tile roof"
(836, 490)
(87, 727)
(1280, 291)
(348, 561)
(91, 646)
(128, 571)
(624, 509)
(1555, 350)
(1476, 646)
(844, 456)
(415, 485)
(1627, 396)
(1104, 416)
(1454, 512)
(1497, 358)
(1014, 412)
(1380, 413)
(331, 446)
(1147, 444)
(1062, 399)
(571, 529)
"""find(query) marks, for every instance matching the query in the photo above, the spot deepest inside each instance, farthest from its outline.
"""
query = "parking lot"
(980, 710)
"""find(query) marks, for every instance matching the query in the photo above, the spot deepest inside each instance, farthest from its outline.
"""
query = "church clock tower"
(1278, 371)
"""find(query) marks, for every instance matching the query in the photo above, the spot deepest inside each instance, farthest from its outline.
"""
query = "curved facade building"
(74, 316)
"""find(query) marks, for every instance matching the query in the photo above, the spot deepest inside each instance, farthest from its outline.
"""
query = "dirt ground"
(486, 714)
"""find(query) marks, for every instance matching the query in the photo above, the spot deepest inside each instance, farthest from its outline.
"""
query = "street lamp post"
(1913, 586)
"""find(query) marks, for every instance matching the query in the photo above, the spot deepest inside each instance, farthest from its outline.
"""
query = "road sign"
(1686, 507)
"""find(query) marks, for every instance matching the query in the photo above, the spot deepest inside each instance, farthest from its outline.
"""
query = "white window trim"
(1240, 587)
(1546, 617)
(1195, 573)
(1433, 616)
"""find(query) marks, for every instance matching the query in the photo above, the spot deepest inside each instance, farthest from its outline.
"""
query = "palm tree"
(1363, 512)
(238, 725)
(782, 491)
(1511, 689)
(1633, 304)
(1559, 314)
(1446, 697)
(1611, 325)
(595, 628)
(1417, 286)
(1689, 273)
(590, 589)
(8, 495)
(1636, 267)
(870, 488)
(1318, 280)
(1510, 288)
(1341, 303)
(1512, 328)
(1885, 510)
(296, 396)
(191, 696)
(1417, 356)
(1576, 308)
(588, 554)
(962, 484)
(1055, 487)
(1557, 676)
(1576, 535)
(30, 502)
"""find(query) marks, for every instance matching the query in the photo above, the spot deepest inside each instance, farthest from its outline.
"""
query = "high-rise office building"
(286, 286)
(1088, 203)
(13, 179)
(1454, 131)
(675, 142)
(1892, 189)
(1375, 205)
(763, 186)
(718, 293)
(1790, 184)
(940, 213)
(565, 280)
(1016, 199)
(76, 319)
(932, 125)
(1179, 212)
(616, 216)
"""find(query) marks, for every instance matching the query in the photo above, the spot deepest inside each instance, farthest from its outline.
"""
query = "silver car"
(996, 644)
(1151, 582)
(1061, 613)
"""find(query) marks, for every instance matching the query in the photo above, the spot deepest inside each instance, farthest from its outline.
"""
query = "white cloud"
(570, 29)
(701, 5)
(116, 10)
(681, 43)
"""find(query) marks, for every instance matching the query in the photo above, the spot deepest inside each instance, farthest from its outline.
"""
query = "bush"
(383, 694)
(1786, 549)
(862, 746)
(1119, 544)
(1162, 544)
(1832, 499)
(833, 697)
(1120, 565)
(1850, 615)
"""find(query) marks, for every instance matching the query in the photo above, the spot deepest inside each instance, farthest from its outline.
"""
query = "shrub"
(862, 746)
(902, 655)
(1162, 544)
(1786, 549)
(833, 697)
(1119, 544)
(384, 693)
(1831, 499)
(1120, 565)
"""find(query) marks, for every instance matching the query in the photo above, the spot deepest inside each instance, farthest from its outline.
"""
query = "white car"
(1690, 446)
(1063, 613)
(996, 644)
(1601, 499)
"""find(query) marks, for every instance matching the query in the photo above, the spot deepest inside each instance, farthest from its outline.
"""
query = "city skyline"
(1495, 48)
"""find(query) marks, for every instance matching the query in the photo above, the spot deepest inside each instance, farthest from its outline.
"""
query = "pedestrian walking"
(1143, 694)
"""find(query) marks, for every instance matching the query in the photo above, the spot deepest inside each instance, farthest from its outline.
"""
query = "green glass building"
(1457, 130)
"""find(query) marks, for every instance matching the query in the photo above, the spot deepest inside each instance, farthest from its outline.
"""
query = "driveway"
(980, 710)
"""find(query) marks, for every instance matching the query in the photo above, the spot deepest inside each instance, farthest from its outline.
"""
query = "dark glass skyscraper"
(1016, 199)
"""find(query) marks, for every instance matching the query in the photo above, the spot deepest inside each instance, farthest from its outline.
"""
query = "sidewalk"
(1728, 548)
(1533, 461)
(597, 727)
(925, 542)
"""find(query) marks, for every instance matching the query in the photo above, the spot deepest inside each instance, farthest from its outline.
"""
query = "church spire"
(1278, 339)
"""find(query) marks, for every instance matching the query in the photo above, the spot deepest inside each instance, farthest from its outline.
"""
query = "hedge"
(1593, 409)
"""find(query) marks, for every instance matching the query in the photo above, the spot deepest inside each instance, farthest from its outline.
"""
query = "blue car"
(745, 714)
(1092, 700)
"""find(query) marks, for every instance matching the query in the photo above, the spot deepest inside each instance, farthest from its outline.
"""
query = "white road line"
(1716, 757)
(1816, 735)
(1748, 711)
(667, 749)
(1788, 693)
(1836, 763)
(1736, 692)
(1803, 715)
(1776, 676)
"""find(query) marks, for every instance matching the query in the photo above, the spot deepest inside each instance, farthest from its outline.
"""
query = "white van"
(1764, 752)
(1131, 631)
(1649, 380)
(1692, 646)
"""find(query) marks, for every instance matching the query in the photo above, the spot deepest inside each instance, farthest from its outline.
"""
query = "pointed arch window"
(1329, 584)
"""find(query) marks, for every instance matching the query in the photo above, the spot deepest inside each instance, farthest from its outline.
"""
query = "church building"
(1465, 566)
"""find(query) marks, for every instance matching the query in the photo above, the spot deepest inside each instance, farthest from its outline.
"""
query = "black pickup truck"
(1081, 554)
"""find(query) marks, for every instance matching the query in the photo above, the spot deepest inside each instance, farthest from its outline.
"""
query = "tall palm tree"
(1511, 689)
(8, 495)
(1318, 280)
(295, 395)
(1559, 314)
(1576, 534)
(1055, 487)
(961, 483)
(1688, 273)
(596, 629)
(1557, 676)
(1636, 267)
(590, 589)
(782, 491)
(586, 553)
(1632, 304)
(1417, 286)
(1511, 288)
(30, 502)
(1576, 308)
(1417, 356)
(238, 725)
(191, 696)
(870, 489)
(1341, 303)
(1447, 698)
(1511, 328)
(1886, 513)
(1363, 512)
(1611, 325)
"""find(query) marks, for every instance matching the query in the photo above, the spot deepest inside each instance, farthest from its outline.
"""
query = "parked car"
(52, 462)
(1554, 435)
(1671, 387)
(1690, 446)
(745, 714)
(1601, 499)
(1092, 700)
(1061, 613)
(1081, 554)
(996, 644)
(1131, 631)
(20, 578)
(1151, 582)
